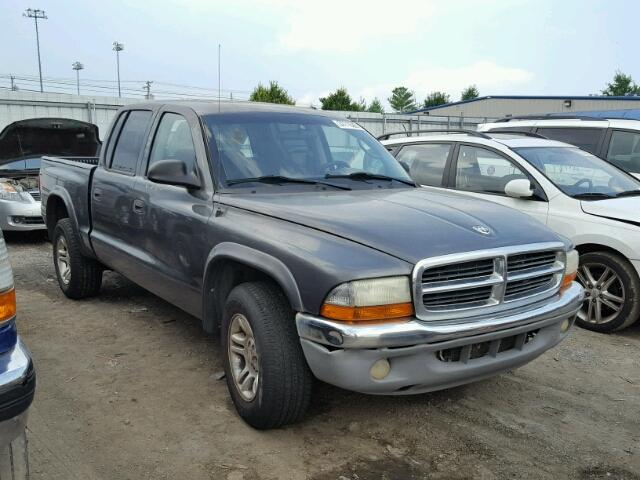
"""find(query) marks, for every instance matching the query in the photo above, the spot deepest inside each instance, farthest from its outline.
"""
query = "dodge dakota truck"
(300, 240)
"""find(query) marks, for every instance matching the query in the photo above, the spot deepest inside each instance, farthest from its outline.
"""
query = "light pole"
(36, 14)
(77, 66)
(118, 47)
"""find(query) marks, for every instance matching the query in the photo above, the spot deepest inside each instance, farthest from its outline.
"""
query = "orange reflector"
(359, 314)
(567, 280)
(7, 305)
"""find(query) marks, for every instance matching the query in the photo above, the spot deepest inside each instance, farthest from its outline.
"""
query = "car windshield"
(284, 149)
(580, 174)
(22, 164)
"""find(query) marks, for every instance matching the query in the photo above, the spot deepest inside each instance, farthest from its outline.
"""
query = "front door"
(484, 173)
(174, 218)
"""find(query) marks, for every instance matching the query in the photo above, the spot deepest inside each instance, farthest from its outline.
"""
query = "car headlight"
(571, 269)
(367, 300)
(9, 192)
(7, 292)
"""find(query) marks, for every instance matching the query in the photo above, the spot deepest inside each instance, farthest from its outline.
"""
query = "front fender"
(253, 258)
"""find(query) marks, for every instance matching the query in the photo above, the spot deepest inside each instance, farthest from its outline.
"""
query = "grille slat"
(458, 297)
(458, 271)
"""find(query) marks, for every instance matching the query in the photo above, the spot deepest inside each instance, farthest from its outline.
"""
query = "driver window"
(481, 170)
(173, 141)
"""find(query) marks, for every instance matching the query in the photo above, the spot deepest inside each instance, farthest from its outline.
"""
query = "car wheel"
(266, 372)
(611, 292)
(78, 276)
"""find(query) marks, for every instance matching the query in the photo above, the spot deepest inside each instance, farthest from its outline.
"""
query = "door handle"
(138, 205)
(97, 193)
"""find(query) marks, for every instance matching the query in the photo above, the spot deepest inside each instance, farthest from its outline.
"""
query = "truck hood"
(410, 224)
(624, 209)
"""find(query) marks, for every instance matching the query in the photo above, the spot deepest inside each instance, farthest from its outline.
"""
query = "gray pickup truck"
(300, 240)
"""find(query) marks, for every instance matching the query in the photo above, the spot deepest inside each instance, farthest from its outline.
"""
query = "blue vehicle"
(17, 375)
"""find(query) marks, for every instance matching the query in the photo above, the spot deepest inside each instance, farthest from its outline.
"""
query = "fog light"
(380, 369)
(564, 326)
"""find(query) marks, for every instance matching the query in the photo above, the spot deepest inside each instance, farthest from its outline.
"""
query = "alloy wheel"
(604, 293)
(62, 259)
(243, 357)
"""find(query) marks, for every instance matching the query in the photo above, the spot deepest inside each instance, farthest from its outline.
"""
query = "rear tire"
(78, 276)
(612, 285)
(259, 340)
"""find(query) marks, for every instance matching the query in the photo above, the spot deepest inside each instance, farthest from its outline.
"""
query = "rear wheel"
(611, 292)
(266, 372)
(78, 276)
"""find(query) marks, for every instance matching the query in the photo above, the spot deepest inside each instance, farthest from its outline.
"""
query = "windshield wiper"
(630, 193)
(370, 176)
(280, 179)
(594, 195)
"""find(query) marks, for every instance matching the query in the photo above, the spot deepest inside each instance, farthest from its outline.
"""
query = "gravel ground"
(127, 389)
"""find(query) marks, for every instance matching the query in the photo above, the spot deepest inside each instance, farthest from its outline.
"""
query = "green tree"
(375, 106)
(274, 93)
(622, 85)
(434, 99)
(470, 93)
(402, 100)
(341, 100)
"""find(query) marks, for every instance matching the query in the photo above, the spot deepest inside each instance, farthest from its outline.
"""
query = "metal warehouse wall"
(101, 110)
(501, 107)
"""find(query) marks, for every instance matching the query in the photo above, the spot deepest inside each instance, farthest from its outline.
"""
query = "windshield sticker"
(347, 124)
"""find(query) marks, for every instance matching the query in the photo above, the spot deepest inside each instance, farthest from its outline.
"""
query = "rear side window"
(130, 142)
(173, 141)
(426, 162)
(624, 151)
(586, 138)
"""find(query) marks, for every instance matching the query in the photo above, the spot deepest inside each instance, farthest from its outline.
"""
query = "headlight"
(571, 269)
(9, 192)
(7, 293)
(372, 299)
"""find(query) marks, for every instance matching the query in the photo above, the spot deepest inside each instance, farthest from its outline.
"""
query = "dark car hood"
(35, 137)
(410, 224)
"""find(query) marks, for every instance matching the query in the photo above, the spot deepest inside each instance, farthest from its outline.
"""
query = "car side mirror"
(519, 188)
(173, 172)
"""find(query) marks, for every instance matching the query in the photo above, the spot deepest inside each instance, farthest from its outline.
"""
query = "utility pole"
(36, 14)
(14, 87)
(118, 47)
(77, 66)
(147, 89)
(219, 84)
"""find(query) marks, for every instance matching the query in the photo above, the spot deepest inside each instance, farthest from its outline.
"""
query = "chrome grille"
(486, 281)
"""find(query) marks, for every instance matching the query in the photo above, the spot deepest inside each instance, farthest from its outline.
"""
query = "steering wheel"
(583, 180)
(336, 165)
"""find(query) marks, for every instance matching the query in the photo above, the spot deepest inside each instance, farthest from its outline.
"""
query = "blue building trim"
(632, 98)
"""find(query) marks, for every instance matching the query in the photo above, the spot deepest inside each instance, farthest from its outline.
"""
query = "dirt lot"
(127, 389)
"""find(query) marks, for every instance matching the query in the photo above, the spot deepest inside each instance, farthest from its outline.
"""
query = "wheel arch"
(229, 264)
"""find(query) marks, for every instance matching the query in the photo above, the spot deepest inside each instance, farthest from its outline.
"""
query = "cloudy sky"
(548, 47)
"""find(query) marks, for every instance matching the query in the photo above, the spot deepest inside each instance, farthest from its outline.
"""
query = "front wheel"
(266, 372)
(611, 292)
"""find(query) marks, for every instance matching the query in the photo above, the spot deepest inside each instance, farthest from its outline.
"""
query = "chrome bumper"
(416, 351)
(413, 332)
(17, 386)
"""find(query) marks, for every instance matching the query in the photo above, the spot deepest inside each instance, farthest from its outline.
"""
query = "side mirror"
(519, 188)
(173, 172)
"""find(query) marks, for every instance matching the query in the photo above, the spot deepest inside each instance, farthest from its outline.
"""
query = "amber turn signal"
(7, 305)
(567, 280)
(359, 314)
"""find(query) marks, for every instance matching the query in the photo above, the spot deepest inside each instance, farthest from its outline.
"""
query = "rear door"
(484, 172)
(172, 218)
(116, 228)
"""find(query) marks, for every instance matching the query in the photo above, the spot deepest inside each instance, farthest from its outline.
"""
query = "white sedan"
(573, 192)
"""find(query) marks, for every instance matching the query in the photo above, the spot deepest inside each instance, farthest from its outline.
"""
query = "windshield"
(578, 173)
(270, 148)
(23, 164)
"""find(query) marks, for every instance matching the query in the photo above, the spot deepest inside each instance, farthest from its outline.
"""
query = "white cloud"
(343, 26)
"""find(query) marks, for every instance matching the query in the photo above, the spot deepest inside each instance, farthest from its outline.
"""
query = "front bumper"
(21, 216)
(427, 356)
(17, 388)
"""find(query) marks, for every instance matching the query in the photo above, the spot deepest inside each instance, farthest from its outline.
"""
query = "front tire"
(266, 372)
(78, 276)
(611, 292)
